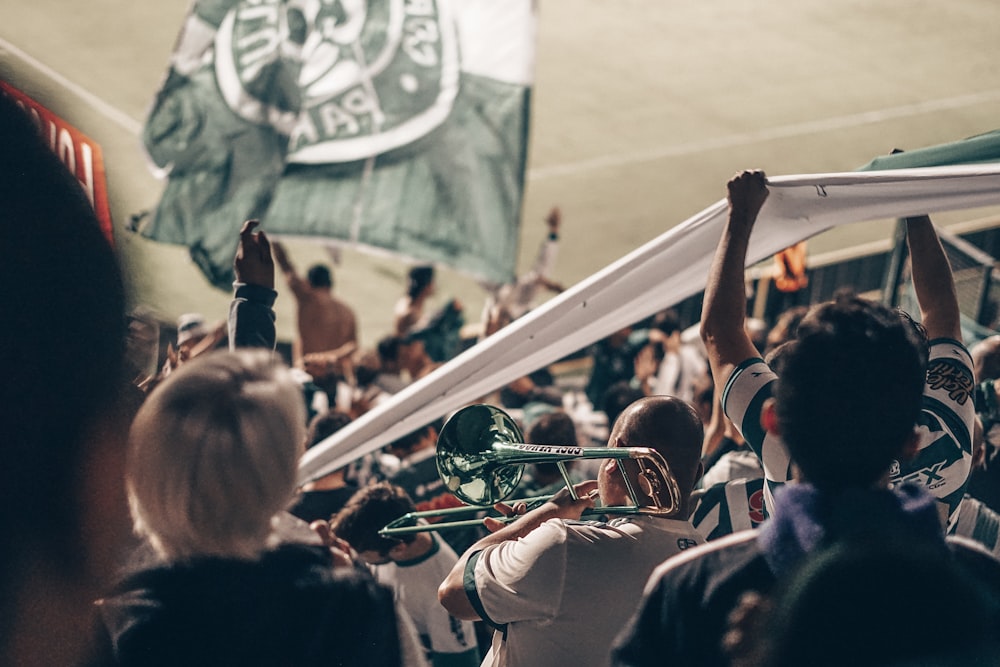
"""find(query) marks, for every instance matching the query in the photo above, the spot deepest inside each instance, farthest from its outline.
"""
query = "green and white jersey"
(728, 507)
(750, 385)
(448, 640)
(944, 453)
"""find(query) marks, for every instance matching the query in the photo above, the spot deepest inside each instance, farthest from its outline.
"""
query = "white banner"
(657, 275)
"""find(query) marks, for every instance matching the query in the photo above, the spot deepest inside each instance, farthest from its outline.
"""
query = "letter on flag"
(399, 125)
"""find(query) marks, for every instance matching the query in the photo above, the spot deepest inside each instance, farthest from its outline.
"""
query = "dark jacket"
(287, 608)
(684, 613)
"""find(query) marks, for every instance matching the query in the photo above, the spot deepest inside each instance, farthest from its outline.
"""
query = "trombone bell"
(481, 457)
(468, 459)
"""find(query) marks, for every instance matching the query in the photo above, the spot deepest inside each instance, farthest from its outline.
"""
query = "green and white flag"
(397, 125)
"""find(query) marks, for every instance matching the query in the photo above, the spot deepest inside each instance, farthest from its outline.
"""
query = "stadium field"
(641, 111)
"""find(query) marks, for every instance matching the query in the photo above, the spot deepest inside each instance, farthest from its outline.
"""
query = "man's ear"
(910, 446)
(611, 465)
(769, 417)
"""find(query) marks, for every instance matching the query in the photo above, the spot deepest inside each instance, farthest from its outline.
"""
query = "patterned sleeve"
(944, 453)
(729, 507)
(519, 580)
(750, 385)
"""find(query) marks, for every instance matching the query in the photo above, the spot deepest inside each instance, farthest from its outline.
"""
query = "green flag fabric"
(396, 125)
(979, 149)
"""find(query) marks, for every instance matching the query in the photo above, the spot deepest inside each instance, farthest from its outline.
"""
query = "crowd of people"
(816, 493)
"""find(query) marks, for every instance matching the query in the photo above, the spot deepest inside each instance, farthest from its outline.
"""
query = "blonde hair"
(213, 455)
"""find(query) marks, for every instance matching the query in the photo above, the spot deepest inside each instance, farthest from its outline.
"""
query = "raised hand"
(747, 193)
(254, 264)
(553, 219)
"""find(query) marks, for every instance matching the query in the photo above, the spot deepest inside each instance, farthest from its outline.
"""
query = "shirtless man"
(324, 322)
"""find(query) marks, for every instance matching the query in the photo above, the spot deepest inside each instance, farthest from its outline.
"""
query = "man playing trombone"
(558, 589)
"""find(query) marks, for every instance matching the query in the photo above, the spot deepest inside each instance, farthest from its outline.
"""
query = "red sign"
(81, 155)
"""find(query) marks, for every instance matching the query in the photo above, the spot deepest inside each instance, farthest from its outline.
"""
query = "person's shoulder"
(588, 530)
(735, 549)
(558, 530)
(974, 554)
(977, 562)
(342, 305)
(747, 378)
(547, 542)
(402, 306)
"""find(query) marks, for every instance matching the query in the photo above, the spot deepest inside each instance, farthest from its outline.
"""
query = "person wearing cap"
(191, 328)
(194, 337)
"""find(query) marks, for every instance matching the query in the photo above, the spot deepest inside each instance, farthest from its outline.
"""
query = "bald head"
(668, 425)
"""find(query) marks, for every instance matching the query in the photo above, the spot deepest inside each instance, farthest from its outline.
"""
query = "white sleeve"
(749, 386)
(522, 579)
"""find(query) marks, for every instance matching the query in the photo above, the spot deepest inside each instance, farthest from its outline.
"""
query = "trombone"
(481, 457)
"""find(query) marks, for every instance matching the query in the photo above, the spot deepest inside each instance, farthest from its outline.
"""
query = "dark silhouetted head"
(849, 391)
(319, 276)
(62, 354)
(420, 278)
(367, 512)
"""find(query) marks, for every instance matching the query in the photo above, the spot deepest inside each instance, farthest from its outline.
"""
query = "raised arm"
(932, 280)
(723, 315)
(295, 282)
(281, 257)
(251, 317)
(547, 253)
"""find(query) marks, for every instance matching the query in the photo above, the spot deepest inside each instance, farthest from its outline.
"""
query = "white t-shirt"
(562, 593)
(416, 584)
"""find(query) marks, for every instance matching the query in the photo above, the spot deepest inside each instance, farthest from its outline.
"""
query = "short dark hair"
(785, 327)
(324, 425)
(368, 511)
(419, 278)
(619, 396)
(319, 276)
(849, 391)
(667, 321)
(407, 442)
(388, 348)
(553, 428)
